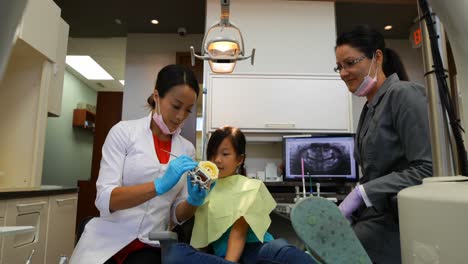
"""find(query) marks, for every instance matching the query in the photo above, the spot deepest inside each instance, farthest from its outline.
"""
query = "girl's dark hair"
(368, 41)
(173, 75)
(237, 139)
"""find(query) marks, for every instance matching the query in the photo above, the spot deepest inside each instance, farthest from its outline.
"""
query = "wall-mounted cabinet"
(54, 107)
(23, 111)
(30, 87)
(274, 103)
(40, 27)
(84, 119)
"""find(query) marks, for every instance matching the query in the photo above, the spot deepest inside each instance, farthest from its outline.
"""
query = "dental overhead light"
(221, 52)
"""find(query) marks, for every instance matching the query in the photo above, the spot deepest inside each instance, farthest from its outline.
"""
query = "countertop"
(44, 190)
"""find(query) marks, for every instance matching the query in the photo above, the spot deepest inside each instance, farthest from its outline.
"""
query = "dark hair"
(368, 41)
(173, 75)
(237, 139)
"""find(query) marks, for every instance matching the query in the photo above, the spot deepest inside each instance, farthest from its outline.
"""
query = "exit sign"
(416, 36)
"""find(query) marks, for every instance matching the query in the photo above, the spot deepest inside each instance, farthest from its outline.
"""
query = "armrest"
(165, 238)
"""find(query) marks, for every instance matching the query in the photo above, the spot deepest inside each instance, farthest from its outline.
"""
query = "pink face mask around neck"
(367, 84)
(158, 119)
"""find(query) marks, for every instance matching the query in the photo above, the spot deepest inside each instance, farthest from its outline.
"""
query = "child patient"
(234, 218)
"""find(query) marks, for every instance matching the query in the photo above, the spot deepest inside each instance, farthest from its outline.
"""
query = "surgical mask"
(367, 84)
(158, 119)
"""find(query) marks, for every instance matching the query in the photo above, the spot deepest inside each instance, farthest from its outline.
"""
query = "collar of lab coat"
(177, 141)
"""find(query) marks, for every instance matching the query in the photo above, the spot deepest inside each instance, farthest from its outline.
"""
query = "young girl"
(234, 218)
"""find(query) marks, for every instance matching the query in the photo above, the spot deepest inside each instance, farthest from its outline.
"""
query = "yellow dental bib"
(233, 197)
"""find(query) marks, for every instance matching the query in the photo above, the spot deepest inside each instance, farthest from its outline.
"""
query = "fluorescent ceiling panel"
(88, 67)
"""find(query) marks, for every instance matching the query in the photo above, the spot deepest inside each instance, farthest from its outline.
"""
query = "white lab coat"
(129, 158)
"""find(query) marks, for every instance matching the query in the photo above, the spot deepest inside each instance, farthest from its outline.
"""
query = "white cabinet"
(2, 210)
(56, 85)
(2, 223)
(275, 103)
(40, 26)
(31, 86)
(61, 227)
(26, 212)
(54, 220)
(23, 112)
(43, 29)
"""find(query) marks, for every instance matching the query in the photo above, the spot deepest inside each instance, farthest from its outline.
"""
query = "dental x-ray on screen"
(324, 157)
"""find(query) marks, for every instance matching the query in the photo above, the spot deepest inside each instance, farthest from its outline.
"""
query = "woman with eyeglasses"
(392, 142)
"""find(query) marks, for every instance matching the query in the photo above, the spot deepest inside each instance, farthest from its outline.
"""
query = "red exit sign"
(416, 37)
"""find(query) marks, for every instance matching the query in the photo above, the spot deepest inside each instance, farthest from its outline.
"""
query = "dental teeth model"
(204, 174)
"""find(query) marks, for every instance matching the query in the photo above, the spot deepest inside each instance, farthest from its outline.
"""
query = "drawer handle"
(25, 207)
(64, 201)
(280, 125)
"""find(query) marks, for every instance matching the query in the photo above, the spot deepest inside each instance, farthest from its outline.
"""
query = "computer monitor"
(326, 158)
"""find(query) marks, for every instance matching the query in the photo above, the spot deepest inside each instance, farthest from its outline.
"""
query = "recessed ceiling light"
(122, 82)
(388, 27)
(88, 67)
(154, 22)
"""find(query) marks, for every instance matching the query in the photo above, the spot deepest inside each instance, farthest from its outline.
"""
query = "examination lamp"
(222, 53)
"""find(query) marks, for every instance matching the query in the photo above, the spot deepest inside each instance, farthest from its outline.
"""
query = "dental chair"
(279, 228)
(180, 234)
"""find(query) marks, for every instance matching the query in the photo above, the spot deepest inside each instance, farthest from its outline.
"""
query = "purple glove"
(351, 203)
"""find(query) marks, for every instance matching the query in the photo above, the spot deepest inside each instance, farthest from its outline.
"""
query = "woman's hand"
(196, 194)
(351, 203)
(175, 170)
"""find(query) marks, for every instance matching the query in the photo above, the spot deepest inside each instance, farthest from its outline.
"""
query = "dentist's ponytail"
(393, 64)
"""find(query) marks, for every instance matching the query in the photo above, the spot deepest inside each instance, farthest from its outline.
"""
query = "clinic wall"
(147, 54)
(68, 150)
(412, 58)
(289, 36)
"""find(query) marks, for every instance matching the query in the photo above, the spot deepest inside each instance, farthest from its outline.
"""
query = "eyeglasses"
(348, 64)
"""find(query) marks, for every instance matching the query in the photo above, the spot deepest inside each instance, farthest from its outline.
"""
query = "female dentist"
(140, 187)
(392, 142)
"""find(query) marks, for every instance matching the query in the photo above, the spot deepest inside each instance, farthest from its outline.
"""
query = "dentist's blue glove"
(196, 194)
(173, 173)
(351, 203)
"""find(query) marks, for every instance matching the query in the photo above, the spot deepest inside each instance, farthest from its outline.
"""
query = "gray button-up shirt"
(393, 147)
(393, 140)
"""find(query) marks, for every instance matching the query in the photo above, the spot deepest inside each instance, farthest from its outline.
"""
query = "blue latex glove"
(174, 171)
(351, 203)
(196, 194)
